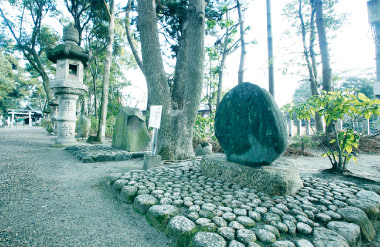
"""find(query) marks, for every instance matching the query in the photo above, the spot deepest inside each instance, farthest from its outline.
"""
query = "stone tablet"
(130, 132)
(250, 126)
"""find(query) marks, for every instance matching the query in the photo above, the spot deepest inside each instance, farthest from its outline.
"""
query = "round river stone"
(250, 126)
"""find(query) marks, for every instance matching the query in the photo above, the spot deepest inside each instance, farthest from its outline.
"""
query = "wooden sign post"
(155, 122)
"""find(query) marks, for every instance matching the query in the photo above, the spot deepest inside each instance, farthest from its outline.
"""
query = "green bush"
(48, 125)
(338, 145)
(204, 131)
(94, 126)
(110, 123)
(300, 142)
(204, 128)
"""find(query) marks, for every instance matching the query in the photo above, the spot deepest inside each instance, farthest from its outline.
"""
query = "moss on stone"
(130, 132)
(158, 216)
(180, 232)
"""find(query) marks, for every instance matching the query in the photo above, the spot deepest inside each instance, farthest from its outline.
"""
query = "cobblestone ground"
(49, 198)
(323, 213)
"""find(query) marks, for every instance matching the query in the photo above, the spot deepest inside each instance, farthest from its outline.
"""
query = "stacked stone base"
(279, 178)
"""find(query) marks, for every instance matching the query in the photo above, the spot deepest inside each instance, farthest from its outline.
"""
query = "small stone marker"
(153, 159)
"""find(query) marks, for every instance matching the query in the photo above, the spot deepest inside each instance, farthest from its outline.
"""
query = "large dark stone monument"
(251, 129)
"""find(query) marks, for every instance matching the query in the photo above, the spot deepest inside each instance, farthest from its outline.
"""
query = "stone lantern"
(68, 84)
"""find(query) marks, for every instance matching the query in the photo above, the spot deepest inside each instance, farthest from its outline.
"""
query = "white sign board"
(155, 116)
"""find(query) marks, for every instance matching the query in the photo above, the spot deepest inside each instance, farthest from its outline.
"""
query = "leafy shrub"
(110, 123)
(204, 131)
(303, 142)
(333, 106)
(48, 125)
(204, 128)
(94, 126)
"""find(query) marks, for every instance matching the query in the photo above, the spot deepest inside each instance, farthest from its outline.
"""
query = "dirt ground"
(365, 170)
(310, 162)
(49, 198)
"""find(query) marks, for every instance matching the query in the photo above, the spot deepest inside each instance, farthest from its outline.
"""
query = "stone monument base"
(279, 178)
(151, 161)
(65, 141)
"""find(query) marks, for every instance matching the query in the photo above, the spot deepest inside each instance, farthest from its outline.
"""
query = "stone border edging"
(101, 153)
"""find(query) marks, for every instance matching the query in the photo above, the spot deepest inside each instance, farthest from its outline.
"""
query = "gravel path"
(49, 198)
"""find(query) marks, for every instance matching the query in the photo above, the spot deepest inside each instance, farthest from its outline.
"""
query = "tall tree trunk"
(210, 96)
(89, 103)
(242, 44)
(176, 132)
(222, 68)
(314, 91)
(220, 80)
(325, 57)
(39, 101)
(313, 36)
(310, 65)
(323, 46)
(180, 72)
(48, 90)
(195, 32)
(313, 83)
(270, 49)
(94, 74)
(107, 68)
(153, 67)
